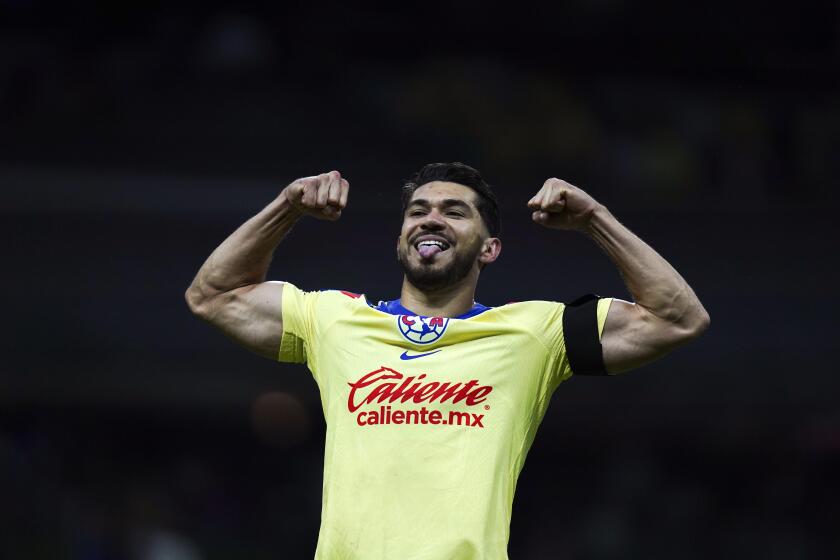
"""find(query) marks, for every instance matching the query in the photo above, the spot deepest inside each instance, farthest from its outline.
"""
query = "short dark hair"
(457, 172)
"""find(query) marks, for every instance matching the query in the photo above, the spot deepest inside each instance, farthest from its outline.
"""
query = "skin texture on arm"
(666, 312)
(230, 292)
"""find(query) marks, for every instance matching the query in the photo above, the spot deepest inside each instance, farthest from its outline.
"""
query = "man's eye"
(415, 213)
(459, 214)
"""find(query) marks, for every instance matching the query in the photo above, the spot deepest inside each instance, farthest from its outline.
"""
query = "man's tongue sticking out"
(427, 251)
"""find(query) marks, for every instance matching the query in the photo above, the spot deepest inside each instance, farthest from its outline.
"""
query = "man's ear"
(490, 250)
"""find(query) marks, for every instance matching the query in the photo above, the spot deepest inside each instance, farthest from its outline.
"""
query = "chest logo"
(422, 330)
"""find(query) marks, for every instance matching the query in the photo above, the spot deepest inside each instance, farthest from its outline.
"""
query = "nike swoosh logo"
(405, 356)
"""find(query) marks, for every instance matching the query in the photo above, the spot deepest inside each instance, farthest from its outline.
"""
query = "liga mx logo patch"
(422, 330)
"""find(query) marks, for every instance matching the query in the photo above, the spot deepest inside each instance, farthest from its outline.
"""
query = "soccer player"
(432, 400)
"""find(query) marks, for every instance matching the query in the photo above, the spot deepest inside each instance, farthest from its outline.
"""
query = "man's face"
(442, 236)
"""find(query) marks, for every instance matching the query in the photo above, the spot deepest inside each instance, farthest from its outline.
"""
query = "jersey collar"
(394, 307)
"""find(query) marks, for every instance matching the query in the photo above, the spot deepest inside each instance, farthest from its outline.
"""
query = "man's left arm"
(666, 312)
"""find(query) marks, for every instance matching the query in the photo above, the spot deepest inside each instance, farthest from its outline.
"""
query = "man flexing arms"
(432, 400)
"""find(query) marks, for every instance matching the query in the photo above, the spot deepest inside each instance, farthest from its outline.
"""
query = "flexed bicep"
(633, 337)
(229, 291)
(250, 316)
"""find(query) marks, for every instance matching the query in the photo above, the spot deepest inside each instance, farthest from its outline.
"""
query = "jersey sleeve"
(298, 324)
(307, 320)
(603, 309)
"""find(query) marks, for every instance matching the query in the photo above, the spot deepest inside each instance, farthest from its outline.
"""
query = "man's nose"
(433, 220)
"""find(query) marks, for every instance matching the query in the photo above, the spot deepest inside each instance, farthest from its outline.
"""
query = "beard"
(431, 278)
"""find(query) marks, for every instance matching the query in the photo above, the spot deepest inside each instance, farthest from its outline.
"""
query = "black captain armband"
(580, 332)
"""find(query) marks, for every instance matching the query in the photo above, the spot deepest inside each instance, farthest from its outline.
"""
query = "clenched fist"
(323, 196)
(560, 205)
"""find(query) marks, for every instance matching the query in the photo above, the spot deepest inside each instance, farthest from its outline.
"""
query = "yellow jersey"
(429, 419)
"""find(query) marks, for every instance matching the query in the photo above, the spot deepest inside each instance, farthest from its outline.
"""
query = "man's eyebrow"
(445, 202)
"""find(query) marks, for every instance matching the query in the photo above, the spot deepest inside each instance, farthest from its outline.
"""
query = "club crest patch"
(422, 330)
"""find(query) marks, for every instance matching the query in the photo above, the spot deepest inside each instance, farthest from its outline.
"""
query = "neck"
(451, 301)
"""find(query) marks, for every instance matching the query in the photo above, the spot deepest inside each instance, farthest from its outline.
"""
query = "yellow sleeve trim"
(602, 311)
(292, 348)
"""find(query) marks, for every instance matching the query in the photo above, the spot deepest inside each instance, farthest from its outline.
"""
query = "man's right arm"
(230, 291)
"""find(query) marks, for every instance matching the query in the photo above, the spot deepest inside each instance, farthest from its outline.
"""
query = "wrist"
(284, 206)
(599, 217)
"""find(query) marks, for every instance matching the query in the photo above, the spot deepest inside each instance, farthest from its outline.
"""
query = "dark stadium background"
(134, 137)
